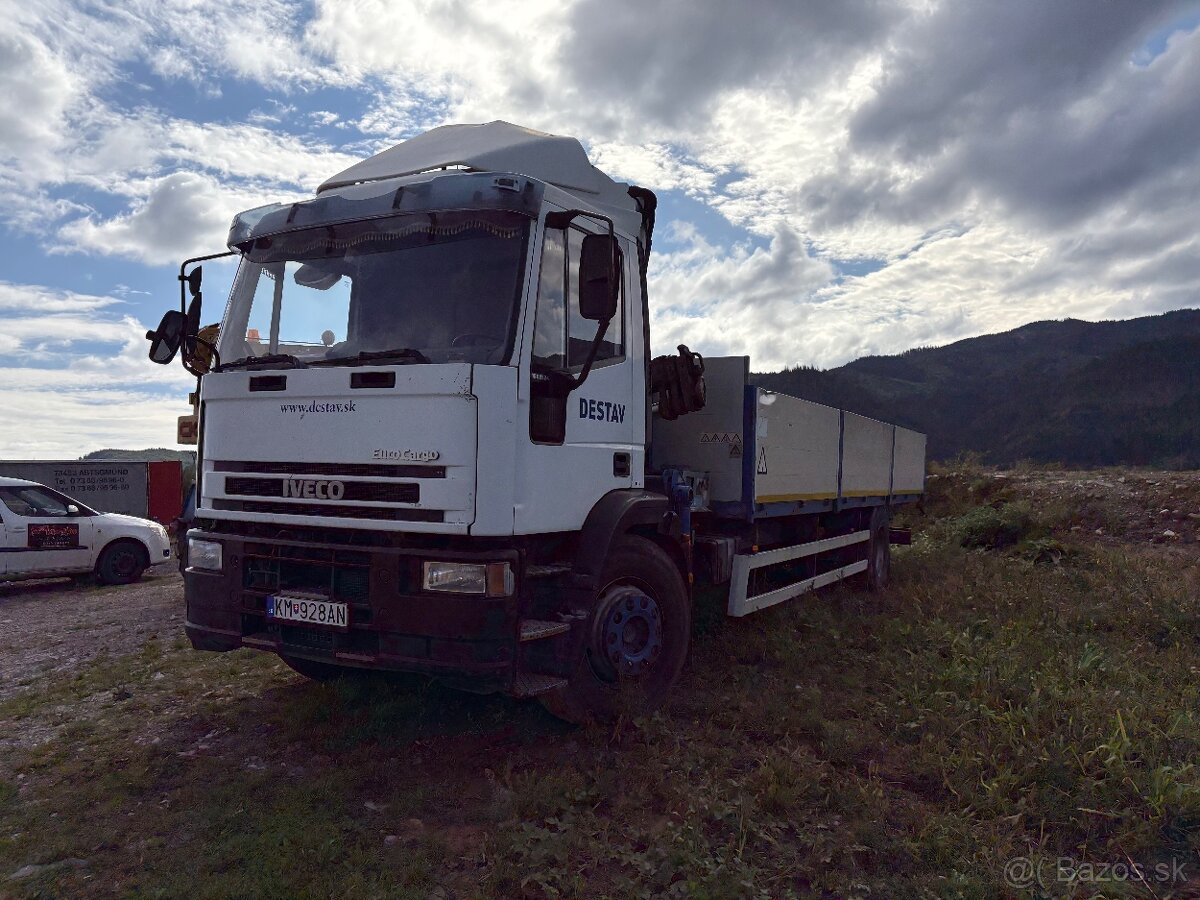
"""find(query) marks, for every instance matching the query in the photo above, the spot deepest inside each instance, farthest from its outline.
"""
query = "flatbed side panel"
(710, 440)
(908, 467)
(796, 452)
(866, 457)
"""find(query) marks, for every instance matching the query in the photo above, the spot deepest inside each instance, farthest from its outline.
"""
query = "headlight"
(492, 579)
(204, 554)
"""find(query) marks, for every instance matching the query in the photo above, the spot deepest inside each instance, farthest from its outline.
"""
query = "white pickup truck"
(44, 533)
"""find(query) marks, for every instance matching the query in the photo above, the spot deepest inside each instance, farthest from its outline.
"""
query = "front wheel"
(121, 563)
(637, 637)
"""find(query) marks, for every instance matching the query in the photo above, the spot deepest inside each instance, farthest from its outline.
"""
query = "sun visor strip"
(450, 191)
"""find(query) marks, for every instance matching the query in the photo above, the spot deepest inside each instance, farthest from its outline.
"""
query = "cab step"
(536, 629)
(531, 684)
(552, 570)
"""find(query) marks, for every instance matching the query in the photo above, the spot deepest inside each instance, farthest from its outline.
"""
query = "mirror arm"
(183, 276)
(563, 220)
(591, 357)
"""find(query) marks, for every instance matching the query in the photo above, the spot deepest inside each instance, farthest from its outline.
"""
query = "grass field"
(1026, 689)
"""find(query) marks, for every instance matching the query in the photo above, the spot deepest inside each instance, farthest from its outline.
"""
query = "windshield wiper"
(397, 354)
(270, 361)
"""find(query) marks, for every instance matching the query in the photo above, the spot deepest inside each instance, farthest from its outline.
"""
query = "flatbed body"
(768, 454)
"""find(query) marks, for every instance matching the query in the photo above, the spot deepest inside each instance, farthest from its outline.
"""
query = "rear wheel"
(121, 563)
(637, 638)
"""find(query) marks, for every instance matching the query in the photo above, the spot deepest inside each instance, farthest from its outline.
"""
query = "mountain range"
(1071, 392)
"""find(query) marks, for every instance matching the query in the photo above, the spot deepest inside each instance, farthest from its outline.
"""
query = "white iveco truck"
(432, 438)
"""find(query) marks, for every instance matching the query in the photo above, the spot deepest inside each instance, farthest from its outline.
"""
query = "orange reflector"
(500, 581)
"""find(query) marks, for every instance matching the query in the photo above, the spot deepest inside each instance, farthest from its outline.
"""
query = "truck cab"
(408, 323)
(413, 411)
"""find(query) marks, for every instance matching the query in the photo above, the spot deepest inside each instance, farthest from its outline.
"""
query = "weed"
(993, 527)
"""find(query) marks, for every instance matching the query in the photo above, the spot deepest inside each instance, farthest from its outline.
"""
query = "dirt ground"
(50, 628)
(1130, 505)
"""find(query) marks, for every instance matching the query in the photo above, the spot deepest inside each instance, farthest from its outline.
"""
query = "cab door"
(566, 467)
(42, 536)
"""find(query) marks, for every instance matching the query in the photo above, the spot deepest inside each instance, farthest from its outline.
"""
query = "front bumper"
(394, 625)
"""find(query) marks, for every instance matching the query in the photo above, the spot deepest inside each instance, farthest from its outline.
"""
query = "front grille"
(379, 492)
(342, 575)
(337, 574)
(327, 510)
(367, 470)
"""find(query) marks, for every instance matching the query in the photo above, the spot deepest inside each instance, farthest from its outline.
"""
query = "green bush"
(993, 527)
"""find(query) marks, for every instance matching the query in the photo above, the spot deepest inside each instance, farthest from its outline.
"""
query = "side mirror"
(72, 509)
(599, 279)
(167, 338)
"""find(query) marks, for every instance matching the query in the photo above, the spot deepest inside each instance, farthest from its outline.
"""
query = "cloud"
(68, 423)
(728, 302)
(179, 216)
(669, 61)
(34, 298)
(36, 90)
(74, 377)
(658, 164)
(1037, 106)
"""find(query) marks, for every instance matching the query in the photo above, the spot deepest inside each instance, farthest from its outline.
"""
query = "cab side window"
(580, 331)
(562, 337)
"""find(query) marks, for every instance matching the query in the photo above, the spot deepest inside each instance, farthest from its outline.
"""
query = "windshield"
(431, 287)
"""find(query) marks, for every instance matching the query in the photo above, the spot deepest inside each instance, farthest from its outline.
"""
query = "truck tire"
(636, 641)
(879, 550)
(121, 562)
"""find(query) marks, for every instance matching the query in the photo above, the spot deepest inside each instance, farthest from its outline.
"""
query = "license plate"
(309, 610)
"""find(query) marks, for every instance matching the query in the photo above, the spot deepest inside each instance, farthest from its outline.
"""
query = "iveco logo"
(313, 490)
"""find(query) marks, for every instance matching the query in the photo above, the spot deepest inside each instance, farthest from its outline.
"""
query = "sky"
(836, 178)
